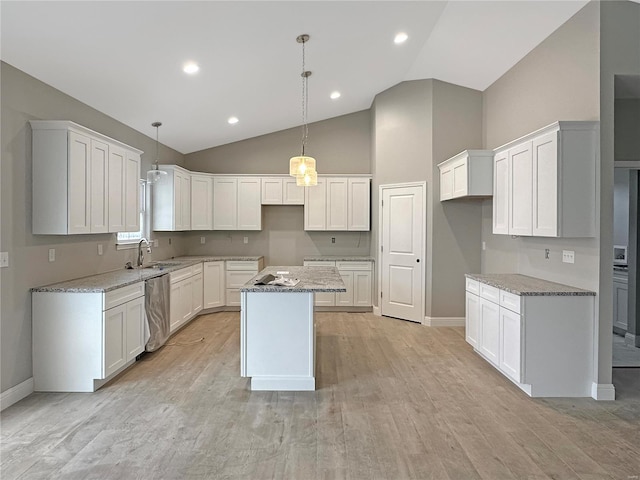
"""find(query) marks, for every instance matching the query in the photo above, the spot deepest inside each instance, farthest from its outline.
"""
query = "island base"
(283, 384)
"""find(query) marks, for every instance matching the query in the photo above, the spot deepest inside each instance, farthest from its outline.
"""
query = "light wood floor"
(395, 400)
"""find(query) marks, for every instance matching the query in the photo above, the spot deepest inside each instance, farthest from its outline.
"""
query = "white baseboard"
(603, 391)
(376, 311)
(17, 393)
(443, 321)
(631, 339)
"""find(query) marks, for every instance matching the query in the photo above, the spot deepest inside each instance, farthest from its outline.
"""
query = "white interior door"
(402, 245)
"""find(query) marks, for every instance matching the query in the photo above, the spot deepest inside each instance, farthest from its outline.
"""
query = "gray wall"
(627, 129)
(621, 206)
(25, 98)
(339, 145)
(416, 125)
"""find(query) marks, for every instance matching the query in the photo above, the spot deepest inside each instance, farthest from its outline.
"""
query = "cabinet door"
(501, 193)
(249, 206)
(114, 354)
(79, 201)
(271, 191)
(460, 178)
(446, 182)
(196, 293)
(225, 207)
(175, 306)
(185, 200)
(116, 189)
(134, 328)
(345, 298)
(620, 305)
(359, 204)
(362, 289)
(324, 299)
(291, 192)
(472, 319)
(214, 285)
(545, 185)
(315, 206)
(99, 187)
(132, 192)
(337, 195)
(489, 331)
(520, 190)
(201, 202)
(186, 299)
(510, 344)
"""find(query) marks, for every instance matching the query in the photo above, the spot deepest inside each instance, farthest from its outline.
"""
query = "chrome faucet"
(140, 254)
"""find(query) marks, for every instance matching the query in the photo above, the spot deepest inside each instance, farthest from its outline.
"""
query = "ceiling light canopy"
(232, 120)
(400, 38)
(155, 173)
(303, 167)
(335, 95)
(191, 68)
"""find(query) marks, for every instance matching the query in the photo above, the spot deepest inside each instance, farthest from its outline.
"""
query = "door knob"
(418, 260)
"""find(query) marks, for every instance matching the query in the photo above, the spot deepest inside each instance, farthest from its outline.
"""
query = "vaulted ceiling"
(125, 58)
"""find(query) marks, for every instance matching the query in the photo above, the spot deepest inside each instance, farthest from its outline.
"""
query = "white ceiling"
(125, 58)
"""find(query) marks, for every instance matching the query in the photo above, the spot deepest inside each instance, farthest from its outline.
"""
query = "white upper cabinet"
(78, 185)
(201, 202)
(281, 191)
(468, 174)
(172, 200)
(545, 182)
(237, 203)
(338, 203)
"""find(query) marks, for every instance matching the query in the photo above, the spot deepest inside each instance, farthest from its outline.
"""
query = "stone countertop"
(338, 258)
(105, 282)
(524, 285)
(312, 279)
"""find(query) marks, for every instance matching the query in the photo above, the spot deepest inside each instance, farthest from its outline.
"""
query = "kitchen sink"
(161, 265)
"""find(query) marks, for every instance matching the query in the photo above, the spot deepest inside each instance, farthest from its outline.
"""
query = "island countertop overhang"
(311, 279)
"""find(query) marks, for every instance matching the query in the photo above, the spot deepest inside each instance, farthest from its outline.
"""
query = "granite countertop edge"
(338, 258)
(527, 286)
(108, 281)
(311, 280)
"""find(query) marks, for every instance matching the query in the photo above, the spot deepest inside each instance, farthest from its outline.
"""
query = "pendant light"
(155, 173)
(303, 167)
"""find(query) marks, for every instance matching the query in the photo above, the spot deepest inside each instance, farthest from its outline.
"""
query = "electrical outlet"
(246, 239)
(333, 239)
(156, 242)
(484, 245)
(568, 256)
(100, 251)
(546, 254)
(4, 259)
(52, 254)
(202, 240)
(169, 241)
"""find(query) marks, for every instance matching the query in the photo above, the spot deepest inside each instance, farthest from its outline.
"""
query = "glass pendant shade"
(154, 175)
(299, 165)
(309, 179)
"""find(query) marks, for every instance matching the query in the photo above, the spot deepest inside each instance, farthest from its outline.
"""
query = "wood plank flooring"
(395, 400)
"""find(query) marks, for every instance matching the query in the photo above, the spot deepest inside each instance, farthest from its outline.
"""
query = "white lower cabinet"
(185, 295)
(542, 342)
(357, 278)
(80, 340)
(214, 284)
(239, 272)
(620, 301)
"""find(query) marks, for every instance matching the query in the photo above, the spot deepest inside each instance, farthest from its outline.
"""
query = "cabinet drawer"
(355, 265)
(510, 301)
(236, 279)
(489, 293)
(123, 295)
(473, 286)
(319, 263)
(181, 274)
(242, 265)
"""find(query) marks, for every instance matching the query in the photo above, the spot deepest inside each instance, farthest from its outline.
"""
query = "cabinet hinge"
(381, 248)
(380, 294)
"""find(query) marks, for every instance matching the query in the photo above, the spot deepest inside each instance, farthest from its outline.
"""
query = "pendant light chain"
(305, 99)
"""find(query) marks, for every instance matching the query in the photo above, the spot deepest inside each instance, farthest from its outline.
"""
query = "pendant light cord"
(305, 100)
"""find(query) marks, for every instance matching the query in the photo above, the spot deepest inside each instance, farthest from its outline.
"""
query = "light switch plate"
(568, 256)
(202, 240)
(246, 239)
(100, 250)
(4, 259)
(52, 254)
(155, 243)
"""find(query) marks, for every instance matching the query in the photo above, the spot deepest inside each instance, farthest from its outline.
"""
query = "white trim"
(17, 393)
(376, 311)
(630, 339)
(603, 391)
(634, 164)
(444, 321)
(282, 383)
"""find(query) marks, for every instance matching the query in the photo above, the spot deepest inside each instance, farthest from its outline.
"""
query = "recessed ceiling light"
(334, 95)
(190, 68)
(400, 38)
(233, 120)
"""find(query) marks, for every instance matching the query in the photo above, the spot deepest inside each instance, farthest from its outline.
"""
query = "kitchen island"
(277, 330)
